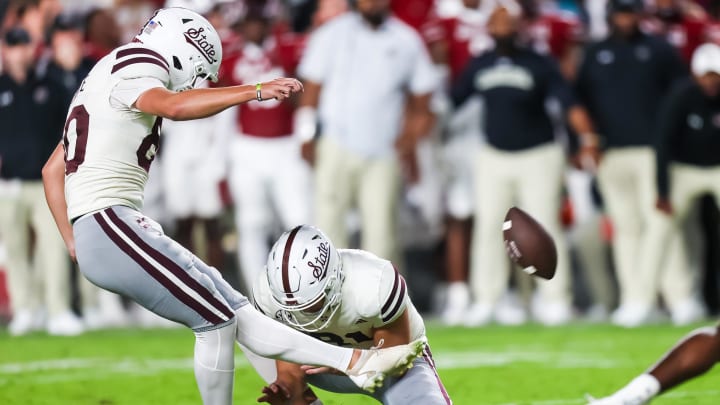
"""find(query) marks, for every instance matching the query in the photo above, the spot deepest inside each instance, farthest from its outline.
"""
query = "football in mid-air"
(528, 244)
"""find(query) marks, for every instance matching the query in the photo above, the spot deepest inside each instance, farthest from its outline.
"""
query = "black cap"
(68, 22)
(627, 6)
(16, 36)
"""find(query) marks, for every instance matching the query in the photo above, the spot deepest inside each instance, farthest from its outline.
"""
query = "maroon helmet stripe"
(286, 262)
(133, 61)
(391, 297)
(182, 274)
(398, 303)
(174, 289)
(140, 51)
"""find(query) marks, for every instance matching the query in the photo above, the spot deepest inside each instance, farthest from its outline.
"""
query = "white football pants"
(678, 282)
(626, 177)
(268, 178)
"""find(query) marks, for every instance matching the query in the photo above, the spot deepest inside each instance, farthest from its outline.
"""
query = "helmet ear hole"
(176, 63)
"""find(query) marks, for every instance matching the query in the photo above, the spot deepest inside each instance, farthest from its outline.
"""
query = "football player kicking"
(347, 298)
(95, 194)
(692, 356)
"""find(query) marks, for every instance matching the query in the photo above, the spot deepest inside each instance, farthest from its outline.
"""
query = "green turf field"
(494, 365)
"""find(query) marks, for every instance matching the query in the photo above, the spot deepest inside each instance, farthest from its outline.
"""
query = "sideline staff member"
(520, 161)
(621, 82)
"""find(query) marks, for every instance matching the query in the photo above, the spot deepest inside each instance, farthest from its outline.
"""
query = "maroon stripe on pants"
(174, 268)
(427, 355)
(175, 290)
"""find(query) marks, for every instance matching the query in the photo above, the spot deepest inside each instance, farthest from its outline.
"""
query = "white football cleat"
(510, 310)
(65, 324)
(633, 315)
(26, 321)
(458, 299)
(479, 315)
(687, 312)
(375, 364)
(552, 314)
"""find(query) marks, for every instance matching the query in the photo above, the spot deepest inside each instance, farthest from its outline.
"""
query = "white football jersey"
(109, 145)
(373, 295)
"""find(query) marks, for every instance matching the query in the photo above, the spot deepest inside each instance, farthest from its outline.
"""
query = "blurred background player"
(361, 156)
(191, 169)
(521, 163)
(32, 110)
(65, 64)
(621, 81)
(688, 168)
(682, 23)
(346, 298)
(268, 177)
(452, 42)
(550, 28)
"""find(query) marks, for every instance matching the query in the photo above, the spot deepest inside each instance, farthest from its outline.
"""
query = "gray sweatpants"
(121, 250)
(421, 385)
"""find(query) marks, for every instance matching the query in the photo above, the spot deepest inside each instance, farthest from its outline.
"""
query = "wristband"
(258, 93)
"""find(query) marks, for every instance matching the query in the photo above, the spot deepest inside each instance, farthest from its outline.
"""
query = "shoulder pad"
(135, 61)
(378, 288)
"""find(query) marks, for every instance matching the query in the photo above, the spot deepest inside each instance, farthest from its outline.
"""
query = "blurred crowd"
(421, 123)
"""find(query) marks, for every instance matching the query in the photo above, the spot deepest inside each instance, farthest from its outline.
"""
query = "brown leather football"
(529, 245)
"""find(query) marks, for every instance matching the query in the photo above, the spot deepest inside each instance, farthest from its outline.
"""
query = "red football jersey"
(554, 33)
(414, 13)
(251, 64)
(465, 38)
(685, 35)
(712, 32)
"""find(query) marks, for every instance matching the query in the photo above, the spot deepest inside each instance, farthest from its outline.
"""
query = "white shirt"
(365, 75)
(373, 295)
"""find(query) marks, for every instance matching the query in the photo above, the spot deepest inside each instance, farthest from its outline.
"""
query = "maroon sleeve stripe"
(133, 61)
(398, 303)
(391, 297)
(140, 51)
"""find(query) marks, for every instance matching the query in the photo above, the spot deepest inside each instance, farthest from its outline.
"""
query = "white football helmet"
(304, 271)
(188, 42)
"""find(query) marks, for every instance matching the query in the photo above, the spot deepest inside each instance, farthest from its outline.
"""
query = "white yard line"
(85, 369)
(445, 360)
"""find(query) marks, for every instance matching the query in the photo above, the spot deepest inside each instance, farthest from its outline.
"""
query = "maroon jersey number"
(79, 114)
(82, 120)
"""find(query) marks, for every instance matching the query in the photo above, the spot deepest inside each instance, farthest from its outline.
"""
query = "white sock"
(215, 364)
(641, 388)
(269, 338)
